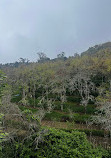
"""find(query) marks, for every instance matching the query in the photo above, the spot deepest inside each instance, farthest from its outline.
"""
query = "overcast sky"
(52, 27)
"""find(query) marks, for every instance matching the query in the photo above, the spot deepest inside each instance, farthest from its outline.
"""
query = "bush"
(53, 116)
(88, 132)
(16, 98)
(81, 118)
(90, 109)
(31, 102)
(55, 144)
(61, 144)
(73, 99)
(22, 108)
(56, 116)
(75, 107)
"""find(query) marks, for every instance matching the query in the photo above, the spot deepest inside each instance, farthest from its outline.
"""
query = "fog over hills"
(52, 27)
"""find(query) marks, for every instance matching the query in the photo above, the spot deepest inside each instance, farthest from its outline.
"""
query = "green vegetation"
(88, 132)
(56, 116)
(75, 107)
(61, 144)
(74, 91)
(57, 144)
(22, 108)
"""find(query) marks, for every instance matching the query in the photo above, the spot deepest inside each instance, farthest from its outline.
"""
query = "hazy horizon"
(52, 27)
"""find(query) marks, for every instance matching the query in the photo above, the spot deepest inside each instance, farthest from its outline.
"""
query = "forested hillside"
(71, 94)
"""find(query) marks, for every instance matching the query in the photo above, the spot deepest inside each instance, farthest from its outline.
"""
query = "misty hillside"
(98, 48)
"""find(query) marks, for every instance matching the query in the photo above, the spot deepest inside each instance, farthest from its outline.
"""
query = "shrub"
(78, 118)
(56, 144)
(56, 116)
(73, 99)
(61, 144)
(93, 132)
(31, 102)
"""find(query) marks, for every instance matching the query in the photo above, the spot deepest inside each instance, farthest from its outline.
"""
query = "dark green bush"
(76, 107)
(31, 102)
(61, 144)
(90, 109)
(53, 116)
(16, 98)
(78, 118)
(73, 99)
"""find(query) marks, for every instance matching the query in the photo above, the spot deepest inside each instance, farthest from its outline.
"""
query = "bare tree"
(42, 57)
(103, 115)
(60, 83)
(82, 83)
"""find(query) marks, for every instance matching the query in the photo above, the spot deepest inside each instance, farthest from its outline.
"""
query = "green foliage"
(2, 84)
(75, 107)
(76, 99)
(78, 118)
(22, 108)
(60, 144)
(53, 116)
(16, 98)
(3, 136)
(30, 116)
(1, 117)
(24, 101)
(88, 132)
(57, 144)
(31, 102)
(56, 116)
(90, 109)
(33, 80)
